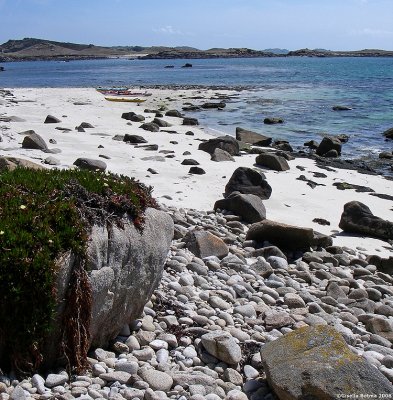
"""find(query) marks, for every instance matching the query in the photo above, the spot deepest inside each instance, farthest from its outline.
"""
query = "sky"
(256, 24)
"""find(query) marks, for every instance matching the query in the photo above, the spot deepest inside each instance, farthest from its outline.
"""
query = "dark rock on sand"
(331, 154)
(247, 206)
(152, 171)
(358, 218)
(312, 144)
(220, 155)
(196, 171)
(90, 164)
(190, 121)
(272, 161)
(50, 119)
(134, 139)
(205, 244)
(383, 264)
(316, 363)
(341, 108)
(253, 138)
(388, 134)
(174, 113)
(282, 235)
(189, 161)
(227, 143)
(189, 133)
(34, 141)
(271, 121)
(283, 145)
(150, 126)
(329, 143)
(86, 125)
(161, 123)
(248, 181)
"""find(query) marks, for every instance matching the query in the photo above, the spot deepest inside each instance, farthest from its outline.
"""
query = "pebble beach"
(247, 298)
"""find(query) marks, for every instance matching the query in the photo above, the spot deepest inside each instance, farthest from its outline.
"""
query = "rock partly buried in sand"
(227, 143)
(197, 171)
(174, 113)
(161, 123)
(253, 138)
(209, 106)
(248, 181)
(388, 134)
(205, 244)
(271, 121)
(189, 161)
(50, 119)
(190, 121)
(329, 143)
(34, 141)
(151, 127)
(222, 346)
(272, 161)
(282, 235)
(316, 363)
(247, 206)
(86, 125)
(134, 139)
(220, 155)
(341, 108)
(10, 163)
(90, 164)
(358, 218)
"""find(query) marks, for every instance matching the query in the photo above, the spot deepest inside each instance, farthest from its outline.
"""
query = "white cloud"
(371, 32)
(168, 30)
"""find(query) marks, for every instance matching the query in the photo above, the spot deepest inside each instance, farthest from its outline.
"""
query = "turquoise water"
(302, 91)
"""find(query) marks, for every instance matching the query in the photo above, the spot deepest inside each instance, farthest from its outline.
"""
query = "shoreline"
(292, 201)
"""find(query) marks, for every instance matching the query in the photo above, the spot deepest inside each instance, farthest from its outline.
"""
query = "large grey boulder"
(272, 161)
(328, 144)
(90, 164)
(253, 138)
(388, 133)
(248, 181)
(222, 346)
(124, 266)
(316, 363)
(227, 143)
(358, 218)
(247, 206)
(10, 163)
(34, 141)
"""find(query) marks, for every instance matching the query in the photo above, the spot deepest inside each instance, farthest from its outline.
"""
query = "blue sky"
(257, 24)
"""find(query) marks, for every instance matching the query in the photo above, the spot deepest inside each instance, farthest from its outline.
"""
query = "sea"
(300, 90)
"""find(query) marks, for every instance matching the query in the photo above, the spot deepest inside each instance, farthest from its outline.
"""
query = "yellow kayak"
(125, 99)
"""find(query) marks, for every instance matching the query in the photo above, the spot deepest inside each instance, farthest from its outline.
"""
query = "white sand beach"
(292, 200)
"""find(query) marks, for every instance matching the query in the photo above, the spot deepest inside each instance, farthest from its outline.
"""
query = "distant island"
(30, 49)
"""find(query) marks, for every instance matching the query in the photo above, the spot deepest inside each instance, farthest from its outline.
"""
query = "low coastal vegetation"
(43, 215)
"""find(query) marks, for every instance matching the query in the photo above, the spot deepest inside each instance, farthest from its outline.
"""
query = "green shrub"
(44, 214)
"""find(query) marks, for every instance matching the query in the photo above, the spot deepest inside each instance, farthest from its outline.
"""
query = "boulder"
(271, 121)
(282, 235)
(272, 161)
(329, 143)
(134, 139)
(208, 106)
(90, 164)
(151, 127)
(50, 119)
(161, 123)
(86, 125)
(222, 346)
(358, 218)
(248, 181)
(125, 266)
(312, 144)
(247, 206)
(316, 363)
(383, 264)
(10, 163)
(197, 171)
(190, 121)
(205, 244)
(388, 134)
(34, 141)
(189, 161)
(174, 113)
(253, 138)
(220, 155)
(227, 143)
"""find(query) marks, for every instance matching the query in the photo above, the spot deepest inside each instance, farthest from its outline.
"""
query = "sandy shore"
(292, 200)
